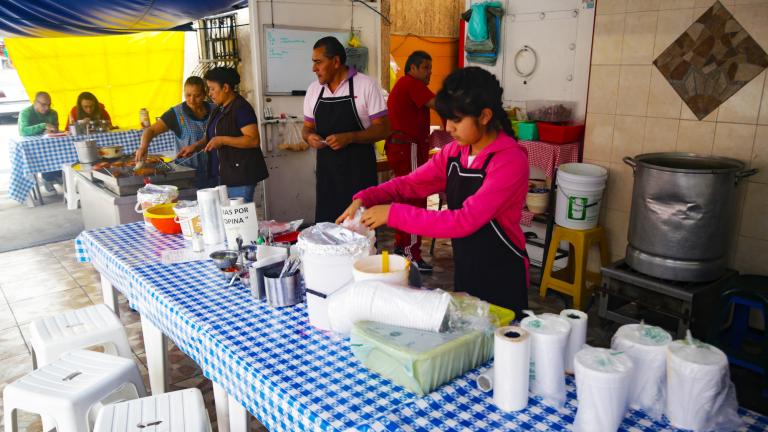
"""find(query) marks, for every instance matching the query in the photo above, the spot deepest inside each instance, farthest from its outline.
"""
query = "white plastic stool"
(70, 187)
(182, 411)
(67, 389)
(80, 328)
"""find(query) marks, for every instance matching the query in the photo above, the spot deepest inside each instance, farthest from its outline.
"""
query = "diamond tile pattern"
(712, 60)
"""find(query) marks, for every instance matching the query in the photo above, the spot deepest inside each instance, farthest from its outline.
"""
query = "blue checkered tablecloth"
(294, 377)
(138, 246)
(30, 155)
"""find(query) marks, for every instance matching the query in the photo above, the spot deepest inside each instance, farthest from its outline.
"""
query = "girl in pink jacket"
(484, 174)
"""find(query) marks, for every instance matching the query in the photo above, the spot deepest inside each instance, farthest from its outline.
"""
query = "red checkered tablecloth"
(550, 156)
(547, 157)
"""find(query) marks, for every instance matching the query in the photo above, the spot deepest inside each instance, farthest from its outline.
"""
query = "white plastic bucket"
(579, 193)
(369, 268)
(324, 275)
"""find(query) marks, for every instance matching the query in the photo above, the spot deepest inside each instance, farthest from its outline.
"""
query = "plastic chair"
(743, 293)
(69, 388)
(581, 241)
(182, 411)
(81, 328)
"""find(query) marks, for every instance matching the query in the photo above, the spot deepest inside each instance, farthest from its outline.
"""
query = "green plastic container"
(527, 131)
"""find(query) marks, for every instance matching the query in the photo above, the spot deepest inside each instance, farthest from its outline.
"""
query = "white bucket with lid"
(328, 252)
(579, 193)
(370, 268)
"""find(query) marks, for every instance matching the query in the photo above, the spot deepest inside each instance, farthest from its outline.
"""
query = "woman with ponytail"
(484, 174)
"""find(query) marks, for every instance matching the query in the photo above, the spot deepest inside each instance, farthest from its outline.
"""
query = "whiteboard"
(289, 56)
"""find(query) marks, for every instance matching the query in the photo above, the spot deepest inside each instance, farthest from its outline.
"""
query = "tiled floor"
(47, 279)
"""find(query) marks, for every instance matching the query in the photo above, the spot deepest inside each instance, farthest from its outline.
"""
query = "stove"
(628, 296)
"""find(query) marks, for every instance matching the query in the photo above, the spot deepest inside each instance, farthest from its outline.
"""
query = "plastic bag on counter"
(419, 360)
(327, 238)
(355, 225)
(389, 304)
(700, 394)
(276, 228)
(468, 312)
(152, 195)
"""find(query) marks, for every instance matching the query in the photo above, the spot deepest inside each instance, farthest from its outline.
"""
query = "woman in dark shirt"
(232, 137)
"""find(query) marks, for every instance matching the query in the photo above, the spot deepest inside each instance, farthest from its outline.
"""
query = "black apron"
(340, 173)
(487, 264)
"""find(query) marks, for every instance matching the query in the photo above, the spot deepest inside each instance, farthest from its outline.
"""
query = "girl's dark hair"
(198, 82)
(96, 107)
(467, 91)
(224, 75)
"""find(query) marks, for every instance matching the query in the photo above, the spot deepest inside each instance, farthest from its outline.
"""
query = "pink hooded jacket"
(501, 197)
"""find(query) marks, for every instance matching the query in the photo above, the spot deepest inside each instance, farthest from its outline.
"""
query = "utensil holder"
(282, 291)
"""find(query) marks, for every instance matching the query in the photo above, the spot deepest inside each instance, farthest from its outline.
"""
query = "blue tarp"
(52, 18)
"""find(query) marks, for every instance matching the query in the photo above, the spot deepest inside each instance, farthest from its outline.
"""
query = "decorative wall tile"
(711, 60)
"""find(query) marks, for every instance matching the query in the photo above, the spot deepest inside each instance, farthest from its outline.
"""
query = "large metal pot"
(683, 209)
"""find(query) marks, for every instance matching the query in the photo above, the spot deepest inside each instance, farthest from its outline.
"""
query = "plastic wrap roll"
(647, 347)
(578, 336)
(512, 357)
(389, 304)
(602, 387)
(700, 395)
(223, 195)
(549, 336)
(484, 381)
(210, 216)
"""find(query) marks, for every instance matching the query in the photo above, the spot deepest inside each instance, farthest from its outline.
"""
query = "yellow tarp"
(125, 72)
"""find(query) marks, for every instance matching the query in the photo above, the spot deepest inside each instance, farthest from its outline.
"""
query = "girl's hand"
(376, 216)
(350, 211)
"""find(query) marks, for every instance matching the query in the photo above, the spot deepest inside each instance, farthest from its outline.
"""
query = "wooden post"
(385, 31)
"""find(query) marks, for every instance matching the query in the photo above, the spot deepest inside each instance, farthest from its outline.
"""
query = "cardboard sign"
(240, 220)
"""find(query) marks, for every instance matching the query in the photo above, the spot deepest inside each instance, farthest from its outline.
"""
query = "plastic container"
(516, 126)
(369, 268)
(527, 131)
(163, 218)
(550, 110)
(579, 193)
(500, 316)
(327, 254)
(560, 134)
(188, 216)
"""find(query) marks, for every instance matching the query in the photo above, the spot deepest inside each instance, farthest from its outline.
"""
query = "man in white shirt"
(344, 114)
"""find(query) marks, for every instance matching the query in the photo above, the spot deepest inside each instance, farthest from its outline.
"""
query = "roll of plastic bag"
(549, 336)
(578, 336)
(700, 394)
(210, 216)
(388, 304)
(223, 195)
(647, 347)
(512, 356)
(602, 388)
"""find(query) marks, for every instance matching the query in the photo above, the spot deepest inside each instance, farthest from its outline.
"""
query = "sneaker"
(423, 266)
(398, 251)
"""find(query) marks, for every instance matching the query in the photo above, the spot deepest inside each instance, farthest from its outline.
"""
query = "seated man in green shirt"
(37, 119)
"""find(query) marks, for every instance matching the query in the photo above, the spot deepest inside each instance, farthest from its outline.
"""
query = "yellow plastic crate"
(502, 316)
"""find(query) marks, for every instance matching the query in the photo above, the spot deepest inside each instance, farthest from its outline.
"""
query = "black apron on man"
(340, 173)
(487, 264)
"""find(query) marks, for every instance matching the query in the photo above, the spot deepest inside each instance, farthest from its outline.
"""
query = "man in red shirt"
(407, 148)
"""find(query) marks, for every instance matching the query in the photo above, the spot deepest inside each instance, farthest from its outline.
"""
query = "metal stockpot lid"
(689, 163)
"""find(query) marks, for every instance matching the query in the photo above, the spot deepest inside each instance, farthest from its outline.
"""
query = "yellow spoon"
(384, 262)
